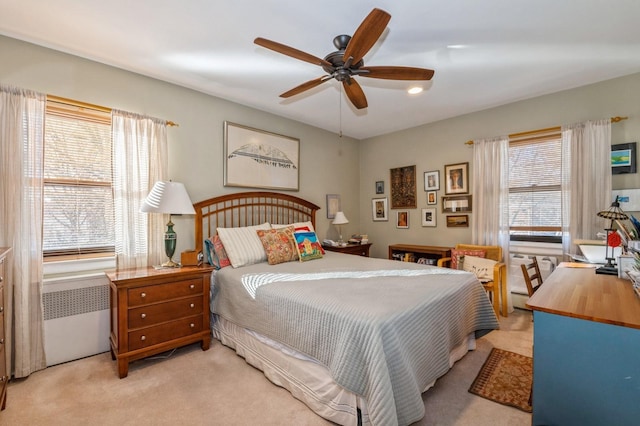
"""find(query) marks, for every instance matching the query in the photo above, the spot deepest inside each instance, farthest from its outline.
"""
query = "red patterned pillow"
(221, 254)
(456, 254)
(279, 244)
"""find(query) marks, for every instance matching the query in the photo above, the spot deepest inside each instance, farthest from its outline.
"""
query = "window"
(535, 212)
(78, 198)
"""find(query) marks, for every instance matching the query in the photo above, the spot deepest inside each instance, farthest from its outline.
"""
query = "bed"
(358, 340)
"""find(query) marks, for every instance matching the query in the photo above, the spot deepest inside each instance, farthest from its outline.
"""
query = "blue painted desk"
(586, 350)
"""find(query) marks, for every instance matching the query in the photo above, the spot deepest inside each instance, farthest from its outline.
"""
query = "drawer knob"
(143, 316)
(143, 294)
(1, 341)
(143, 337)
(1, 278)
(192, 325)
(192, 305)
(2, 379)
(192, 286)
(1, 309)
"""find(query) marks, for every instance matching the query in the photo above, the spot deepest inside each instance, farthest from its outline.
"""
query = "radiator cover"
(76, 318)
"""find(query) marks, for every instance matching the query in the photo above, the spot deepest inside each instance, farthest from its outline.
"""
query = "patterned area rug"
(506, 378)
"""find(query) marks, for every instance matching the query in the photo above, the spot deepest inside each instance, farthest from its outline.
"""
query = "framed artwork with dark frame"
(432, 198)
(402, 219)
(432, 180)
(380, 209)
(380, 187)
(456, 178)
(333, 205)
(403, 188)
(623, 158)
(457, 204)
(458, 221)
(429, 216)
(259, 159)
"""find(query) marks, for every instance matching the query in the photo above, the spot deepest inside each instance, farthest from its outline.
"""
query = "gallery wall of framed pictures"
(456, 203)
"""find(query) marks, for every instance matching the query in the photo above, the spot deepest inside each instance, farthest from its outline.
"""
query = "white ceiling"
(511, 50)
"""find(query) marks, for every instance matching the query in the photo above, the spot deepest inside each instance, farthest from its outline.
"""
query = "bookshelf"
(413, 253)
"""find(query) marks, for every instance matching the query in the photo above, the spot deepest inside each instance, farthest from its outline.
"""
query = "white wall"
(432, 146)
(328, 163)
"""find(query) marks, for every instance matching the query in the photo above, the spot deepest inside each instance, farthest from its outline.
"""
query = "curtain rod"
(616, 119)
(80, 104)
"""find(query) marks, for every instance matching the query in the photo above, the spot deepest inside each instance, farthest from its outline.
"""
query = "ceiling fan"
(346, 63)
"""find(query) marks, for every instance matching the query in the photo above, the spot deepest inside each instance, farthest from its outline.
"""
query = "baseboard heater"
(76, 317)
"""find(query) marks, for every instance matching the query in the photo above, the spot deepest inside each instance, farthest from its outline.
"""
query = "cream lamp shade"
(172, 198)
(339, 220)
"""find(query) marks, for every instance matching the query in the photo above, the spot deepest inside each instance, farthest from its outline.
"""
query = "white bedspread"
(385, 335)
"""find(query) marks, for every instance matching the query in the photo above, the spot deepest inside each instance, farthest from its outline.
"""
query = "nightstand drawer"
(161, 333)
(149, 315)
(159, 293)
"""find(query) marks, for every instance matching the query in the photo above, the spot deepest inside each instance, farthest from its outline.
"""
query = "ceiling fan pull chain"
(340, 111)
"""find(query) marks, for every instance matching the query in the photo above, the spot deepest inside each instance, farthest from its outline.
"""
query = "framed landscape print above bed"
(258, 159)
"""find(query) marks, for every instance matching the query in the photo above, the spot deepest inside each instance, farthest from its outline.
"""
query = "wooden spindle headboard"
(248, 209)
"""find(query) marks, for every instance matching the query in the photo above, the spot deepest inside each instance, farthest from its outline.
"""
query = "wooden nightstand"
(358, 249)
(154, 310)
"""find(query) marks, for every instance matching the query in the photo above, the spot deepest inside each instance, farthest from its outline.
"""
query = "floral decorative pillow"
(456, 254)
(308, 246)
(279, 245)
(483, 268)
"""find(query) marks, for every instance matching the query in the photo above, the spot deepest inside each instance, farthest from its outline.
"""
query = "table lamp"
(339, 220)
(172, 198)
(614, 213)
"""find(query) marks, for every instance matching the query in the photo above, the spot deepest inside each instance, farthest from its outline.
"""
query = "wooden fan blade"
(366, 35)
(290, 51)
(305, 86)
(397, 73)
(354, 93)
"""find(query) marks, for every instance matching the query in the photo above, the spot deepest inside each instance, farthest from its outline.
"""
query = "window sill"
(77, 268)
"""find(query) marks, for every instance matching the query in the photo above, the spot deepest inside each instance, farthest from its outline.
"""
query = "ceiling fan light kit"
(347, 62)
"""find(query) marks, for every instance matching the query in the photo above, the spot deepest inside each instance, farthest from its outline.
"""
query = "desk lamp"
(172, 198)
(614, 213)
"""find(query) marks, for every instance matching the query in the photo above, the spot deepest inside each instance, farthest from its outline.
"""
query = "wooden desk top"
(579, 292)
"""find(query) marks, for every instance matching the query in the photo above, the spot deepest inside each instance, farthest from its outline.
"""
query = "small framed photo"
(380, 187)
(380, 209)
(333, 205)
(623, 158)
(429, 216)
(432, 198)
(457, 204)
(402, 219)
(458, 221)
(457, 178)
(432, 180)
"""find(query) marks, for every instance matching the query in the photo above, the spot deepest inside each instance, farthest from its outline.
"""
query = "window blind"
(78, 199)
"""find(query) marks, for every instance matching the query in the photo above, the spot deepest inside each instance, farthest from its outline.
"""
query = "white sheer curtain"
(490, 217)
(586, 180)
(21, 185)
(140, 159)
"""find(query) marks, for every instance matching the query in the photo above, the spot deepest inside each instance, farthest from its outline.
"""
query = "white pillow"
(296, 225)
(483, 268)
(243, 246)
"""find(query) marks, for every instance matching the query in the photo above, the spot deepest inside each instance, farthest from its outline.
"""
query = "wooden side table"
(155, 310)
(357, 249)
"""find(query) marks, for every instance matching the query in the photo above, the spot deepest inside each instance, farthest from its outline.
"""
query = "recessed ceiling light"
(457, 46)
(415, 90)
